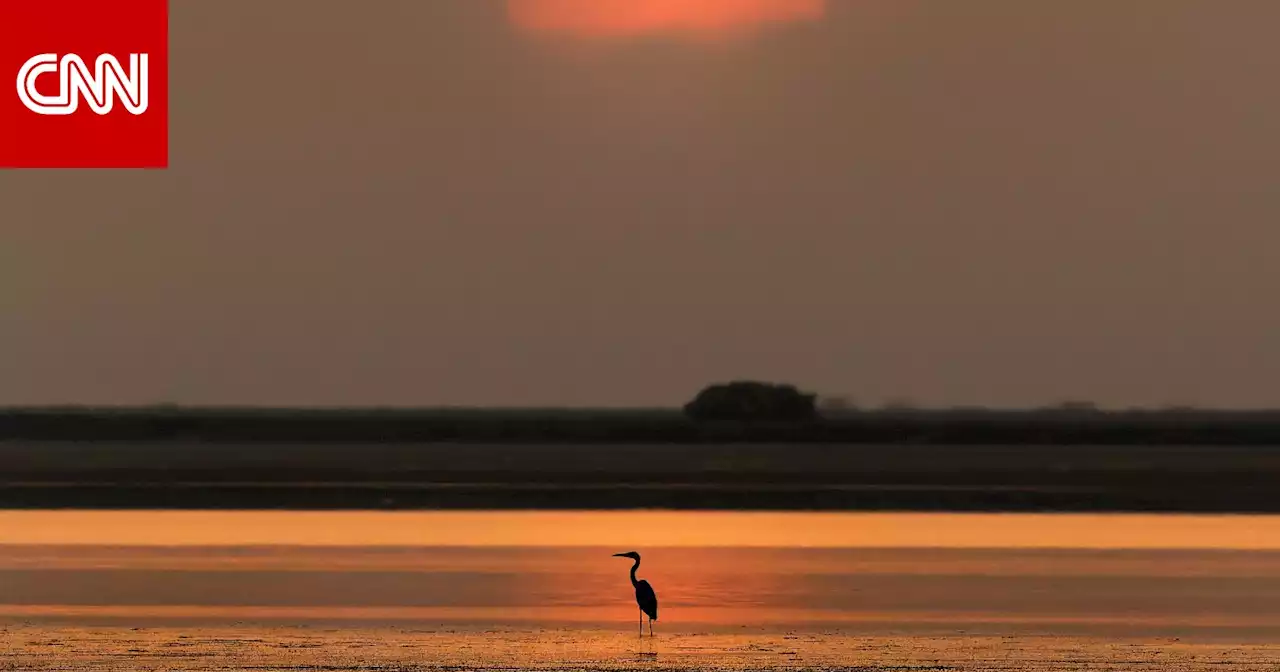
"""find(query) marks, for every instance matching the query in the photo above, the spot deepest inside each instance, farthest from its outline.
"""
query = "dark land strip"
(756, 476)
(1055, 427)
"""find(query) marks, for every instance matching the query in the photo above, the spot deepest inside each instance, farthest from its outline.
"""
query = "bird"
(645, 597)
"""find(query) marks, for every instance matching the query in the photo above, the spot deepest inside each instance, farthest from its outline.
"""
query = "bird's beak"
(619, 555)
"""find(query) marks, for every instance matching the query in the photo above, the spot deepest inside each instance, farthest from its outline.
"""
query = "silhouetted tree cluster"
(751, 400)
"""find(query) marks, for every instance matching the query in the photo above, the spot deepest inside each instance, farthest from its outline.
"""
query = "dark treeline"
(1064, 426)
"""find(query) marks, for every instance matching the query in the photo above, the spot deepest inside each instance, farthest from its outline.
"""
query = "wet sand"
(42, 648)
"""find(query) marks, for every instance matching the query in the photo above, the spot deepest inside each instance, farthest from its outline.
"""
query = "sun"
(638, 18)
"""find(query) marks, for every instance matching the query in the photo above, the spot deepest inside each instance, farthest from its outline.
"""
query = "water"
(643, 529)
(113, 590)
(1174, 575)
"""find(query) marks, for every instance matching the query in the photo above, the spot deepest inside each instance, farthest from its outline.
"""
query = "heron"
(645, 597)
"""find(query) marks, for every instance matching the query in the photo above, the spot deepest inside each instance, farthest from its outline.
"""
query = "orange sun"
(630, 18)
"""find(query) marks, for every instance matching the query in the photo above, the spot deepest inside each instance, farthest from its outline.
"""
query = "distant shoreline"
(1062, 426)
(1073, 459)
(386, 475)
(358, 497)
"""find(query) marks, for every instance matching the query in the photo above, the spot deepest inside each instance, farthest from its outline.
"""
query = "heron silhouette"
(645, 597)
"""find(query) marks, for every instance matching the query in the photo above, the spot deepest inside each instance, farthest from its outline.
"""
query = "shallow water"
(1211, 594)
(640, 529)
(128, 590)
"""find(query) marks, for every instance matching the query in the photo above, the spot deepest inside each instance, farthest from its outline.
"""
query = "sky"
(616, 202)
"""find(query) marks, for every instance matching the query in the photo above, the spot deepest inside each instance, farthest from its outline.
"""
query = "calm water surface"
(714, 572)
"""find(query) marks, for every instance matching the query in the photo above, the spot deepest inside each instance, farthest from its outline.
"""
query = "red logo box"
(84, 83)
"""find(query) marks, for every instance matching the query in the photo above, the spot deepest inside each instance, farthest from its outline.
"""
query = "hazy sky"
(607, 202)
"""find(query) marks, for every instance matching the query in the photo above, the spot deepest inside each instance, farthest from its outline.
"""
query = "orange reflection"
(631, 18)
(638, 529)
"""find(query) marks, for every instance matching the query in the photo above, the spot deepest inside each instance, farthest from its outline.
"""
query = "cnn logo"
(99, 87)
(84, 84)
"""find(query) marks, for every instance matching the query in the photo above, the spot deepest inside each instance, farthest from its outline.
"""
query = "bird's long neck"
(633, 571)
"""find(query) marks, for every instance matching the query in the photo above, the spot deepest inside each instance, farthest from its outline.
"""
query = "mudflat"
(66, 649)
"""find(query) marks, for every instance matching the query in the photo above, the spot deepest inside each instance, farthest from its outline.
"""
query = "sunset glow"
(667, 529)
(631, 18)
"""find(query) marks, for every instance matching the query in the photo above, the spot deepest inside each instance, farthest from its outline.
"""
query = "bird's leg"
(650, 627)
(642, 624)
